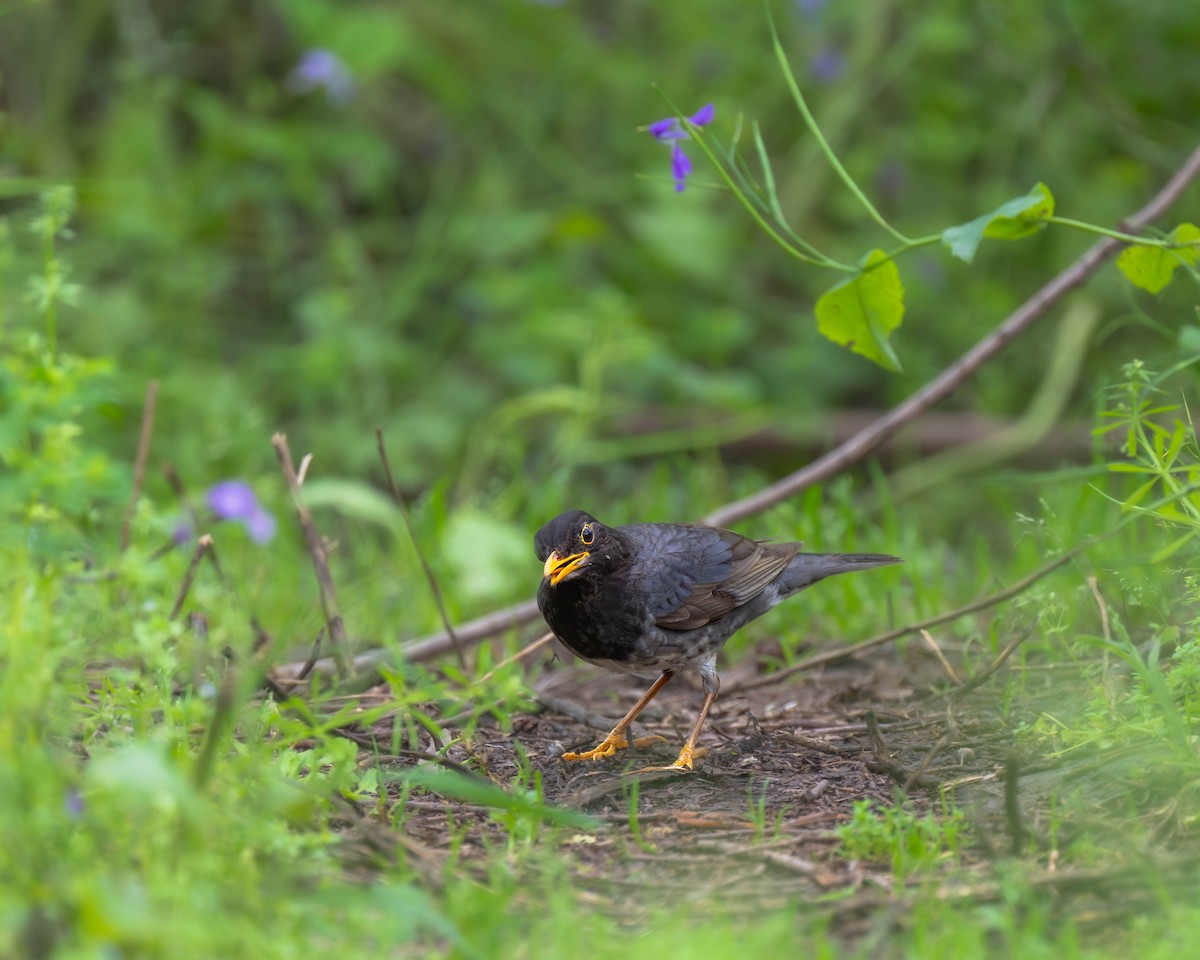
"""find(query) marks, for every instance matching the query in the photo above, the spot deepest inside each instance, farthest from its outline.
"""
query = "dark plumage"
(654, 599)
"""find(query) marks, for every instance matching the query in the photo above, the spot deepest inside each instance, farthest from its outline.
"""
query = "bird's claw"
(683, 762)
(610, 745)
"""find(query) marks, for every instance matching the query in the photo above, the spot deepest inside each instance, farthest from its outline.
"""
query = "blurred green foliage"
(468, 241)
(480, 252)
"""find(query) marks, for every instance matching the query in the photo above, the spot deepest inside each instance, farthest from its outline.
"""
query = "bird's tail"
(808, 568)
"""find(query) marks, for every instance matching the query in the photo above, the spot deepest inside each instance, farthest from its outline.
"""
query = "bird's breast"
(604, 629)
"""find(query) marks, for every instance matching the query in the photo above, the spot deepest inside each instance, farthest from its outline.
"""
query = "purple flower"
(321, 69)
(234, 500)
(672, 131)
(827, 65)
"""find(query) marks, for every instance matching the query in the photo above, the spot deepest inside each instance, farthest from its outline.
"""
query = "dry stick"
(525, 651)
(937, 652)
(412, 535)
(203, 545)
(941, 386)
(980, 679)
(859, 445)
(139, 464)
(434, 646)
(316, 549)
(312, 657)
(1105, 626)
(832, 656)
(918, 775)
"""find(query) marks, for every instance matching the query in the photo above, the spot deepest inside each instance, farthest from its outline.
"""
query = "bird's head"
(568, 544)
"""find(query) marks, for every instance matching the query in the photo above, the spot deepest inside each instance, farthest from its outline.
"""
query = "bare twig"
(203, 545)
(832, 656)
(312, 657)
(569, 708)
(320, 561)
(877, 742)
(945, 383)
(433, 646)
(856, 447)
(139, 464)
(525, 651)
(1105, 625)
(980, 679)
(412, 535)
(941, 657)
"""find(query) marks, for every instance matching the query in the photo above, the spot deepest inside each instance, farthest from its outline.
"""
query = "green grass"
(480, 272)
(153, 789)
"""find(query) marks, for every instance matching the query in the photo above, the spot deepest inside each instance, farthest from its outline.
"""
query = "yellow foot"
(684, 761)
(611, 744)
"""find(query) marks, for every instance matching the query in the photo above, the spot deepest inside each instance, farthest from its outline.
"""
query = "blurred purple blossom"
(827, 65)
(234, 500)
(810, 8)
(321, 69)
(73, 802)
(672, 131)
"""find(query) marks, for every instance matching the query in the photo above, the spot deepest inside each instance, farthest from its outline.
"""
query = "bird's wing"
(694, 575)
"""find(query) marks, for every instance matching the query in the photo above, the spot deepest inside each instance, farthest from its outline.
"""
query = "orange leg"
(689, 746)
(616, 739)
(712, 685)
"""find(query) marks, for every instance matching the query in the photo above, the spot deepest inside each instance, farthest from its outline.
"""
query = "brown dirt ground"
(753, 826)
(793, 756)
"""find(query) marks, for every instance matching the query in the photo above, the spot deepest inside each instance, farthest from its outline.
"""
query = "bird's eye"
(587, 535)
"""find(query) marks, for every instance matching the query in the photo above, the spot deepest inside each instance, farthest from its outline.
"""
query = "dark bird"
(656, 599)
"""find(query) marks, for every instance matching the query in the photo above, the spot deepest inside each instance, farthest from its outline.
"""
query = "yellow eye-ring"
(587, 535)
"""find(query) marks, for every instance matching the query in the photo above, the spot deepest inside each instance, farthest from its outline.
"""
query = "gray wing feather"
(696, 575)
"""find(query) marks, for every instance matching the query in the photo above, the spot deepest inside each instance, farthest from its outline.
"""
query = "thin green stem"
(913, 245)
(1115, 234)
(815, 130)
(815, 258)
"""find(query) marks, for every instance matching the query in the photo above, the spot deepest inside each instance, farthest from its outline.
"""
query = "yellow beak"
(557, 568)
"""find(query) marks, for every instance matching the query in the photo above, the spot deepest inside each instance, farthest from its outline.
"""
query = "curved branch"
(842, 456)
(945, 383)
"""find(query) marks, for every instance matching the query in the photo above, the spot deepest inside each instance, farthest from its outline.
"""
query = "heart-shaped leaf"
(1151, 268)
(861, 312)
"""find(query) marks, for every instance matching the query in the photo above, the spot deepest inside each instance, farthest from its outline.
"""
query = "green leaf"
(1017, 218)
(1139, 495)
(480, 792)
(354, 499)
(861, 313)
(1129, 468)
(1151, 268)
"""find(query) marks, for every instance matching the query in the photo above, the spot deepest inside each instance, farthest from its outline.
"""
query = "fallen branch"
(945, 383)
(844, 653)
(852, 450)
(428, 648)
